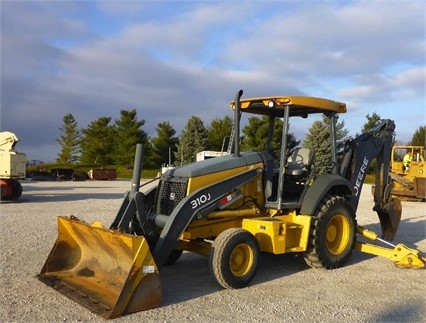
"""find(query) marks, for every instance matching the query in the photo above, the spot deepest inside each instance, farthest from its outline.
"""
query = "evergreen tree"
(127, 133)
(318, 138)
(255, 135)
(192, 140)
(162, 143)
(218, 133)
(371, 122)
(69, 141)
(419, 137)
(97, 143)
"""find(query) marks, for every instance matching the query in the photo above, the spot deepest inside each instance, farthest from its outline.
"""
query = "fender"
(321, 187)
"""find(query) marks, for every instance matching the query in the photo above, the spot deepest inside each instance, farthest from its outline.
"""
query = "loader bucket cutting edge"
(390, 216)
(109, 272)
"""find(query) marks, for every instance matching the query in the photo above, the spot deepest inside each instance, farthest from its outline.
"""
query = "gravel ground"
(367, 289)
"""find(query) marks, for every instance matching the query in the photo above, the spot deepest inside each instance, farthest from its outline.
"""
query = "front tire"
(332, 234)
(234, 257)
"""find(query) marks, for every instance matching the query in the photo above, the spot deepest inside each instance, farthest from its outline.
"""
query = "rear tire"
(332, 235)
(234, 257)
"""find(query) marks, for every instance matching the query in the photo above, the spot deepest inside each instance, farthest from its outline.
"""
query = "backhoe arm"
(360, 153)
(400, 254)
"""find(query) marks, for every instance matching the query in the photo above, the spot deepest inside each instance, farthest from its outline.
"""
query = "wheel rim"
(241, 260)
(337, 234)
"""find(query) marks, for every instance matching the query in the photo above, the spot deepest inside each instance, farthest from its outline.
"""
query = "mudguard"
(321, 187)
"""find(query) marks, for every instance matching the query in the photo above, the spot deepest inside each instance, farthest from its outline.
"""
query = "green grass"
(122, 171)
(370, 178)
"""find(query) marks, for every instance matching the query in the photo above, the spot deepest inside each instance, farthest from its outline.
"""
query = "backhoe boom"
(360, 153)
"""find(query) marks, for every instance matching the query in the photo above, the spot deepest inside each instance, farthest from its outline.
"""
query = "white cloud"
(171, 60)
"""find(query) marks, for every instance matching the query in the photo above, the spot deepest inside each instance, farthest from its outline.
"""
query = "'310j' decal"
(200, 200)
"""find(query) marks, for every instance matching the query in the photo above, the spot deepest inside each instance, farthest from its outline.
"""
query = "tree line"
(107, 142)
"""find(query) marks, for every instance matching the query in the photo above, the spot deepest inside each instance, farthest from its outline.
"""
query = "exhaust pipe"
(237, 115)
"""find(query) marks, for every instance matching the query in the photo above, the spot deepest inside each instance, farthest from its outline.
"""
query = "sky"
(171, 60)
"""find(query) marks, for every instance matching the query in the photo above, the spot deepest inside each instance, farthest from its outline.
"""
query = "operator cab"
(288, 175)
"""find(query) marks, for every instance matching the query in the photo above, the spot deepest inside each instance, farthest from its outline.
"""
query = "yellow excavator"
(230, 209)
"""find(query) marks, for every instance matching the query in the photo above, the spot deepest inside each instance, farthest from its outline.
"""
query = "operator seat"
(298, 172)
(299, 162)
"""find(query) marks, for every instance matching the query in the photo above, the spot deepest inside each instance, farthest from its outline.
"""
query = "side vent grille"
(169, 195)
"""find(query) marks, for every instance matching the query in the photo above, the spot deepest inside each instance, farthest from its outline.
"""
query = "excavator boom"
(360, 153)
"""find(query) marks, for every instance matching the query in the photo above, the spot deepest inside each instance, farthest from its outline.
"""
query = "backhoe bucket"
(390, 216)
(109, 272)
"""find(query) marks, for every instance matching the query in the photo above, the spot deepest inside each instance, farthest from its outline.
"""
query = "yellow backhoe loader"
(231, 208)
(410, 179)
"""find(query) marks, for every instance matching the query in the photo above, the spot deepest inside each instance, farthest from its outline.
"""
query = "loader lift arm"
(188, 208)
(173, 225)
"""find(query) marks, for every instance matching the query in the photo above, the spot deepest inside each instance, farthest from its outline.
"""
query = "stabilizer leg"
(400, 254)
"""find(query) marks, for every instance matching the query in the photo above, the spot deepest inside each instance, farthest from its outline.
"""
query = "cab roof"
(299, 105)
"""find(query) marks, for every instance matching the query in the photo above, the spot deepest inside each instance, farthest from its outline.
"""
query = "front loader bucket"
(109, 272)
(390, 216)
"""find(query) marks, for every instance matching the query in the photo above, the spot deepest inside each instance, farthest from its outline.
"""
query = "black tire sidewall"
(220, 255)
(334, 206)
(17, 191)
